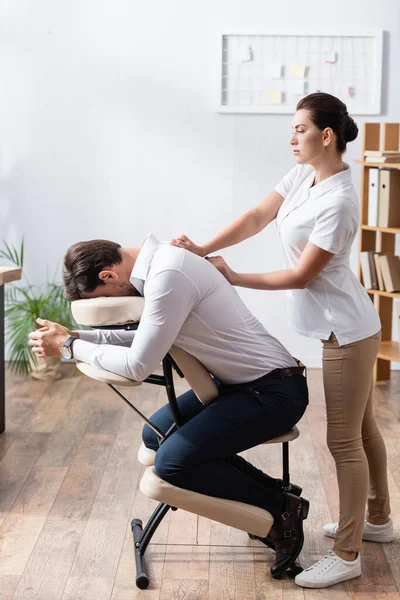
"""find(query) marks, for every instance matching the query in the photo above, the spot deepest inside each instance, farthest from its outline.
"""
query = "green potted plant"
(24, 303)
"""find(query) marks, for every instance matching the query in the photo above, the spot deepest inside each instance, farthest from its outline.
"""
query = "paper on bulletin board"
(298, 70)
(245, 53)
(330, 57)
(274, 97)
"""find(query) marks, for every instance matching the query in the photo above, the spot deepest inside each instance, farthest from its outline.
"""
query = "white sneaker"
(329, 570)
(371, 533)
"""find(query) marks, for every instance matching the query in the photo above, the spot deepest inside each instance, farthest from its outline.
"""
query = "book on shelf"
(390, 268)
(382, 159)
(368, 270)
(382, 156)
(380, 152)
(378, 270)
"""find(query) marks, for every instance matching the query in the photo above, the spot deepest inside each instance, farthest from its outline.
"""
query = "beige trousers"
(354, 438)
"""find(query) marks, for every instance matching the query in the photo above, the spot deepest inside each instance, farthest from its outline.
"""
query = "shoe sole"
(365, 539)
(315, 584)
(305, 507)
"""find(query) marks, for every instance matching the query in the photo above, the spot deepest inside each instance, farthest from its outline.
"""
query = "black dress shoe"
(287, 534)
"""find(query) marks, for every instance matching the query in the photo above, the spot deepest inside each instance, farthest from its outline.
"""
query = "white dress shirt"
(188, 303)
(327, 215)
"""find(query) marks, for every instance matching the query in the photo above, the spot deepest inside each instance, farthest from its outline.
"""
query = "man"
(189, 303)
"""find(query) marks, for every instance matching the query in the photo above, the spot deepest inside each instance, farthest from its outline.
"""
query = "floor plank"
(46, 573)
(23, 524)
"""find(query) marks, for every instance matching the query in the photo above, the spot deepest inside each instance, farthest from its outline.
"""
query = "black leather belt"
(286, 372)
(253, 385)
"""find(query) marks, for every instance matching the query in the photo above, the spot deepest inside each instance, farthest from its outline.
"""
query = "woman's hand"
(49, 339)
(184, 242)
(223, 268)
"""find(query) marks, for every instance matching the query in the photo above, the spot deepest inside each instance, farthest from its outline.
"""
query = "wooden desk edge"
(8, 274)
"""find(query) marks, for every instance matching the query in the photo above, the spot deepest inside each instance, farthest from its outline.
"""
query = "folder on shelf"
(389, 198)
(368, 270)
(390, 267)
(373, 197)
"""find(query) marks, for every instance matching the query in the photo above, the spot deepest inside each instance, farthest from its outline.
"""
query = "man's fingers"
(39, 352)
(44, 322)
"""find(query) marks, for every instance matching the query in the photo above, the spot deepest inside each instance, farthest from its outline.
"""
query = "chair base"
(141, 539)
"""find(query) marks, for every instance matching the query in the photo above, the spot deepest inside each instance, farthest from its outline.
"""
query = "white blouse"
(327, 215)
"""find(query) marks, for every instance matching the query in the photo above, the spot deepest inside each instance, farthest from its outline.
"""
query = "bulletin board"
(270, 72)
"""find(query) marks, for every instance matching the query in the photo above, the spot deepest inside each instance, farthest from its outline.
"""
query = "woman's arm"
(312, 261)
(247, 225)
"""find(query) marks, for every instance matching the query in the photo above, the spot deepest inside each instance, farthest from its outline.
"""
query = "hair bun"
(350, 130)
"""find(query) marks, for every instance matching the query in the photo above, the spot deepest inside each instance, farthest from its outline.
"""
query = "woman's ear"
(327, 136)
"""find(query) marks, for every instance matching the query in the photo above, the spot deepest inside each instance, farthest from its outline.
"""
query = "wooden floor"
(69, 488)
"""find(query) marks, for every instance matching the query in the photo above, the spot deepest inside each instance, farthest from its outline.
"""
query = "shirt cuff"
(82, 350)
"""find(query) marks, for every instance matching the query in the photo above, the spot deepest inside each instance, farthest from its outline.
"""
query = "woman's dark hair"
(328, 111)
(83, 263)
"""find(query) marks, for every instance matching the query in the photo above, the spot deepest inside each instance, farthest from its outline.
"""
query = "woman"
(317, 216)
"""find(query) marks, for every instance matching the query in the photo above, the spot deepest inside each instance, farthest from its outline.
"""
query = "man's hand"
(184, 242)
(223, 268)
(49, 339)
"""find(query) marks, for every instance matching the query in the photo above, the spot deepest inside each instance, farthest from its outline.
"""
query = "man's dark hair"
(82, 264)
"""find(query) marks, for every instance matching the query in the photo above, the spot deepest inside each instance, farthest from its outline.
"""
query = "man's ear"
(107, 275)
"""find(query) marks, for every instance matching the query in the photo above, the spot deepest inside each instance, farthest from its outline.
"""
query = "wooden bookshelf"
(380, 239)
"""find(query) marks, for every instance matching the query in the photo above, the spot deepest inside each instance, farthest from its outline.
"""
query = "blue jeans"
(202, 454)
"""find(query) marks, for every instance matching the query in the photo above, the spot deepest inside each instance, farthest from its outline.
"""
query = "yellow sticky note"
(274, 97)
(298, 70)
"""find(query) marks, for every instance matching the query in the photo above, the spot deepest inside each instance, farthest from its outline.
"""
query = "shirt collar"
(331, 182)
(143, 262)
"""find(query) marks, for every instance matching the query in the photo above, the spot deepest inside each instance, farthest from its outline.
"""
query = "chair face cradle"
(125, 312)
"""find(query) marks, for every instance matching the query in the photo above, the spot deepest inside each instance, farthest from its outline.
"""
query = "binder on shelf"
(373, 197)
(389, 198)
(390, 267)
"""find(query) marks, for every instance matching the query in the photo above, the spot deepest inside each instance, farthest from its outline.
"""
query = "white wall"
(107, 127)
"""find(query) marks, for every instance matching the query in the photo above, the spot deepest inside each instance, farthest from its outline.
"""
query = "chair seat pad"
(291, 435)
(147, 457)
(245, 517)
(105, 376)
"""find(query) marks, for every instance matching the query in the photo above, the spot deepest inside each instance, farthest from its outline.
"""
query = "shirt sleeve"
(169, 298)
(117, 337)
(285, 185)
(335, 225)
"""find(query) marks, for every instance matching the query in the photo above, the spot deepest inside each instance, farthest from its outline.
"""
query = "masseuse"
(317, 215)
